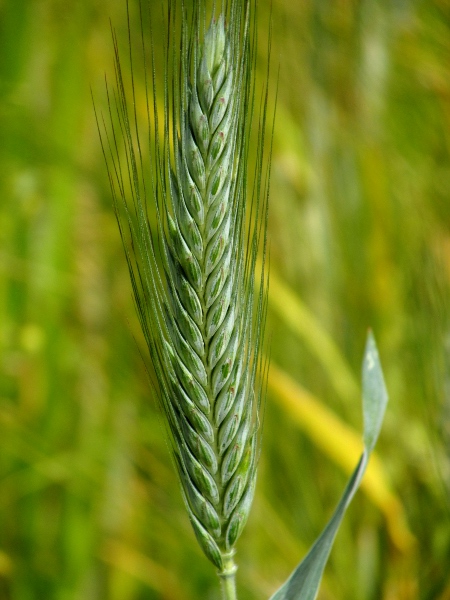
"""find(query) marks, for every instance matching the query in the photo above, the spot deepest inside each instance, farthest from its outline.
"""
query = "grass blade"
(304, 582)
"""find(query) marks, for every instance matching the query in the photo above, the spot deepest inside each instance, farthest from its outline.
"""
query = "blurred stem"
(228, 578)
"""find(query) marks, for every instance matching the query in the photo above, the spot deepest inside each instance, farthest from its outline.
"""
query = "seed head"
(193, 280)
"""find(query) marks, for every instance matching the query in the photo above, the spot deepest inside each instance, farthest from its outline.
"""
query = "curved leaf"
(304, 582)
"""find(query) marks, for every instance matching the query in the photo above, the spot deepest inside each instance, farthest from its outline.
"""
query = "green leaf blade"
(304, 582)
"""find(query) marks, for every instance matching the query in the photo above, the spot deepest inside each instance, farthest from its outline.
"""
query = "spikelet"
(193, 279)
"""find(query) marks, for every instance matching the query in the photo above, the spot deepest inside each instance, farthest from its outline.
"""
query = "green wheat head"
(191, 235)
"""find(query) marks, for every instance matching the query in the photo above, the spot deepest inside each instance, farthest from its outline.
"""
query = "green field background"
(359, 234)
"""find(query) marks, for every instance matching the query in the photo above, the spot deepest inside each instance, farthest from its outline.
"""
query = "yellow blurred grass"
(301, 321)
(337, 440)
(344, 446)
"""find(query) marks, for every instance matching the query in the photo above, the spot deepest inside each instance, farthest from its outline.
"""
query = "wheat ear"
(193, 278)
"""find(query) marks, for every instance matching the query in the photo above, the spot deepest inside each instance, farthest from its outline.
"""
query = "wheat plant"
(192, 233)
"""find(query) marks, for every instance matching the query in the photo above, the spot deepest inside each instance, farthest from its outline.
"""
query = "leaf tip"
(375, 396)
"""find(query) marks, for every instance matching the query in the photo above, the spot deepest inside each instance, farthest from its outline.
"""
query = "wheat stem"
(228, 578)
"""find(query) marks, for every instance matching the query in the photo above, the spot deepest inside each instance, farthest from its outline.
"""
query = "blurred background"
(359, 233)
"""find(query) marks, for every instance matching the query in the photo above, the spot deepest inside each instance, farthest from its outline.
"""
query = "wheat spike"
(193, 277)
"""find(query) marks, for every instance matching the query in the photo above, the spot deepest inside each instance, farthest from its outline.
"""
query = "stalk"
(228, 578)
